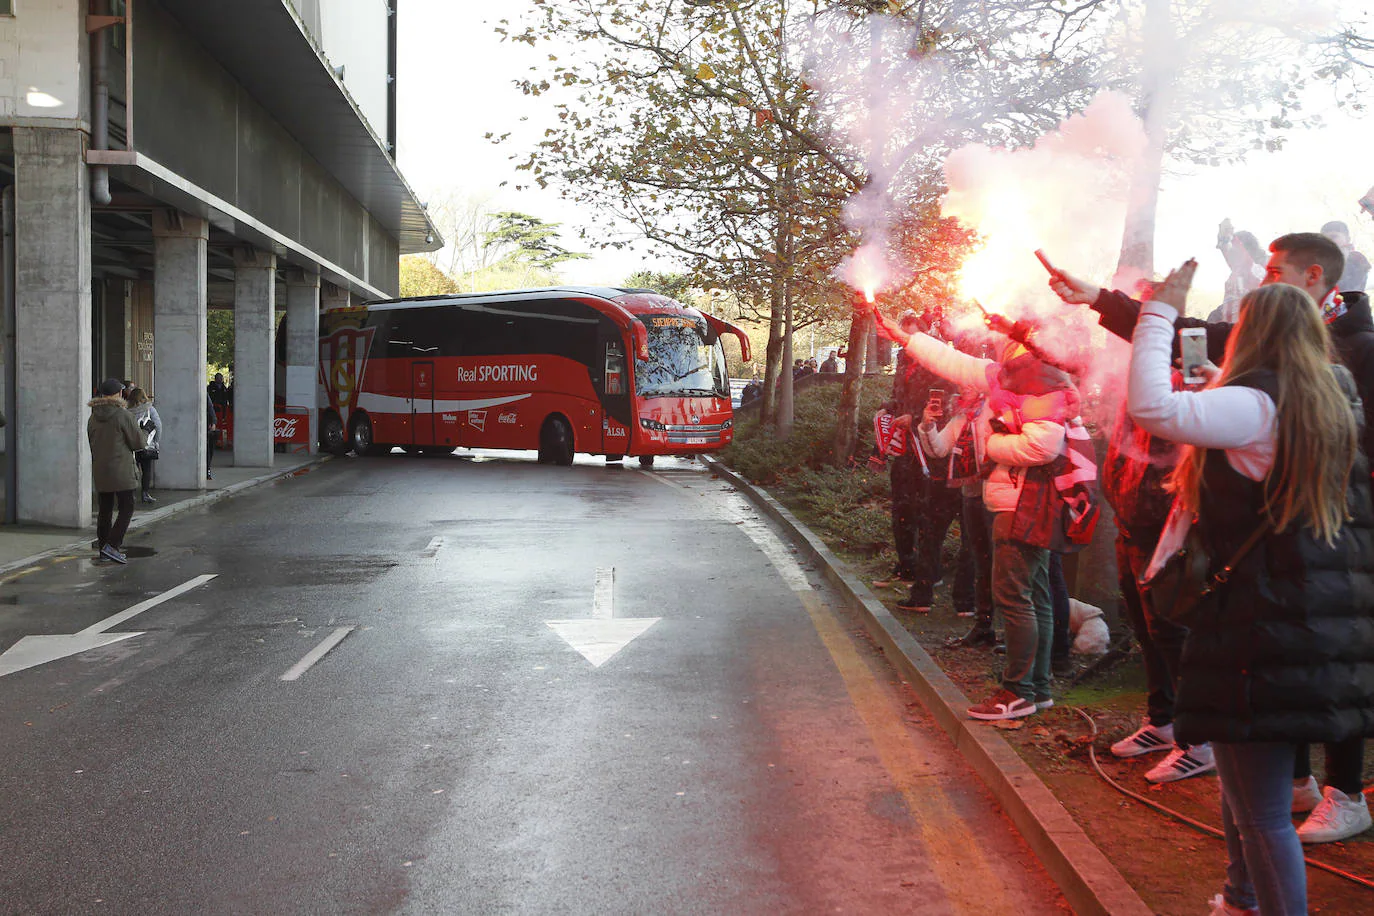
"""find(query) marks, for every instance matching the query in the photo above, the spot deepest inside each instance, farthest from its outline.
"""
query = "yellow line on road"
(19, 575)
(957, 856)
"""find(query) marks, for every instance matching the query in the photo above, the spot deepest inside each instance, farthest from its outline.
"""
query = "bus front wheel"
(556, 442)
(332, 438)
(361, 437)
(646, 461)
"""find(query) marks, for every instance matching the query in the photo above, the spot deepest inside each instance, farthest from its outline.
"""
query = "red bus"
(601, 371)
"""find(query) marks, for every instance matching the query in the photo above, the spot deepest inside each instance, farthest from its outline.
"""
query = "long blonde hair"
(1280, 329)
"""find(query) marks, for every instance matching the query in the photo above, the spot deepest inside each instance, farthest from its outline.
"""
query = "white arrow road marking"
(31, 651)
(317, 653)
(436, 544)
(599, 638)
(603, 597)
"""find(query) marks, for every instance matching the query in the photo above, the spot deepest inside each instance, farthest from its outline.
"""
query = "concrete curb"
(1090, 882)
(157, 515)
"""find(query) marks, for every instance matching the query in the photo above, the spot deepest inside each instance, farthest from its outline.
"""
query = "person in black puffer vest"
(1311, 262)
(1285, 651)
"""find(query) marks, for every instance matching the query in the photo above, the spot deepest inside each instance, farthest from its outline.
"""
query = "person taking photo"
(1282, 654)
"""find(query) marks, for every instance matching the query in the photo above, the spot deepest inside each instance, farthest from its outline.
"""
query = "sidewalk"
(21, 545)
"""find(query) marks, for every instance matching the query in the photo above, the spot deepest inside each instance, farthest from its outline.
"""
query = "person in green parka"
(114, 437)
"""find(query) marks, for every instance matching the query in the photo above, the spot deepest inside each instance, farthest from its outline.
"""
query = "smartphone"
(936, 400)
(1192, 346)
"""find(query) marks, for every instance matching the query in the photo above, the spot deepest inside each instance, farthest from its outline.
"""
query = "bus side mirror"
(725, 327)
(641, 336)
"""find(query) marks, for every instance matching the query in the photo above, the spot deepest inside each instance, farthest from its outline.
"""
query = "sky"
(455, 80)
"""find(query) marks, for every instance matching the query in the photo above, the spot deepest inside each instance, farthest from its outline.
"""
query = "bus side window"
(615, 368)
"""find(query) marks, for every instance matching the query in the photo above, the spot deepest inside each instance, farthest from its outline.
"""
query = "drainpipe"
(8, 318)
(100, 107)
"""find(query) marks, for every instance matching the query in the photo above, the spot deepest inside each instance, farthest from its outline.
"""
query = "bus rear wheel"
(556, 442)
(646, 461)
(332, 438)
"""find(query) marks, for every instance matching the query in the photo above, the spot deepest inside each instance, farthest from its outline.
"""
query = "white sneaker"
(1338, 817)
(1145, 740)
(1221, 908)
(1181, 764)
(1306, 794)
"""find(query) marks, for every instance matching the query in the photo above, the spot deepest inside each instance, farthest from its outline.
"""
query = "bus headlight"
(728, 424)
(652, 424)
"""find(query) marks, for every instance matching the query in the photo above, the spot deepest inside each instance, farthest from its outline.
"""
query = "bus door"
(614, 390)
(422, 403)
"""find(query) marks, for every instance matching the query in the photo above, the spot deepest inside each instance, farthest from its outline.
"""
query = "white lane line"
(778, 554)
(603, 597)
(317, 653)
(663, 480)
(436, 544)
(114, 620)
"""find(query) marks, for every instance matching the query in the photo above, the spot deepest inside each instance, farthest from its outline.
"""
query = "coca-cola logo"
(284, 428)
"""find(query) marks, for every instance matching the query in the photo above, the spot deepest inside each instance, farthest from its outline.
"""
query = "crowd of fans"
(1262, 466)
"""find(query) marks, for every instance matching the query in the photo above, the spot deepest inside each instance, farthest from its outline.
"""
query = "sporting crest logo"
(343, 358)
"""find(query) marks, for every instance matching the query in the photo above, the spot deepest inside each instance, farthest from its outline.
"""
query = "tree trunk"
(1137, 258)
(772, 369)
(786, 401)
(782, 274)
(847, 415)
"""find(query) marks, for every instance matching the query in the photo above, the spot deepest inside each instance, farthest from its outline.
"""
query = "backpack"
(1060, 502)
(1077, 484)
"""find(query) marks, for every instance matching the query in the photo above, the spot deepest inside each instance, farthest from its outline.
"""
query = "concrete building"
(161, 158)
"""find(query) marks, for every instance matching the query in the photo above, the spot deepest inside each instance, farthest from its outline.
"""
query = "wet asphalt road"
(748, 752)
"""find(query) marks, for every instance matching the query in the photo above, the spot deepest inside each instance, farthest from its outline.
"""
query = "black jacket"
(911, 385)
(1287, 652)
(1352, 334)
(1133, 479)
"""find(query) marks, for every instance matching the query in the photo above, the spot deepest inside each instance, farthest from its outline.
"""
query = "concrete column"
(180, 292)
(52, 258)
(255, 320)
(333, 297)
(303, 346)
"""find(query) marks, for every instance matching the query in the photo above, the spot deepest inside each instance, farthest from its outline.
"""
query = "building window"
(6, 7)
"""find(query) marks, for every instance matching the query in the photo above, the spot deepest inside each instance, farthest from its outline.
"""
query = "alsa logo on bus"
(527, 373)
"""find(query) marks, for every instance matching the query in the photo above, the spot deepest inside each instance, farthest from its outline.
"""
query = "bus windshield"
(683, 360)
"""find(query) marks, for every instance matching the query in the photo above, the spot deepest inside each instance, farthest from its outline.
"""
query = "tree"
(700, 126)
(219, 340)
(420, 277)
(674, 286)
(521, 239)
(463, 221)
(1212, 83)
(675, 128)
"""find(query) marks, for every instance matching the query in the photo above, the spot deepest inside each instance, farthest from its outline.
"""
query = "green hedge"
(846, 505)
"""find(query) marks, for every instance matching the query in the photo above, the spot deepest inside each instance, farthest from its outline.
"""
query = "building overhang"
(165, 186)
(266, 47)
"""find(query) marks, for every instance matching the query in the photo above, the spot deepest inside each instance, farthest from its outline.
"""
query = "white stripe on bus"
(385, 403)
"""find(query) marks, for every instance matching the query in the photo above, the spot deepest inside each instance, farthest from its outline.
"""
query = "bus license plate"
(698, 440)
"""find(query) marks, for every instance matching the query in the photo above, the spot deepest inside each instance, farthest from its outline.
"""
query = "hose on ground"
(1195, 824)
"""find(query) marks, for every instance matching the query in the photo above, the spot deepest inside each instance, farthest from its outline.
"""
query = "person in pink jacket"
(1020, 431)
